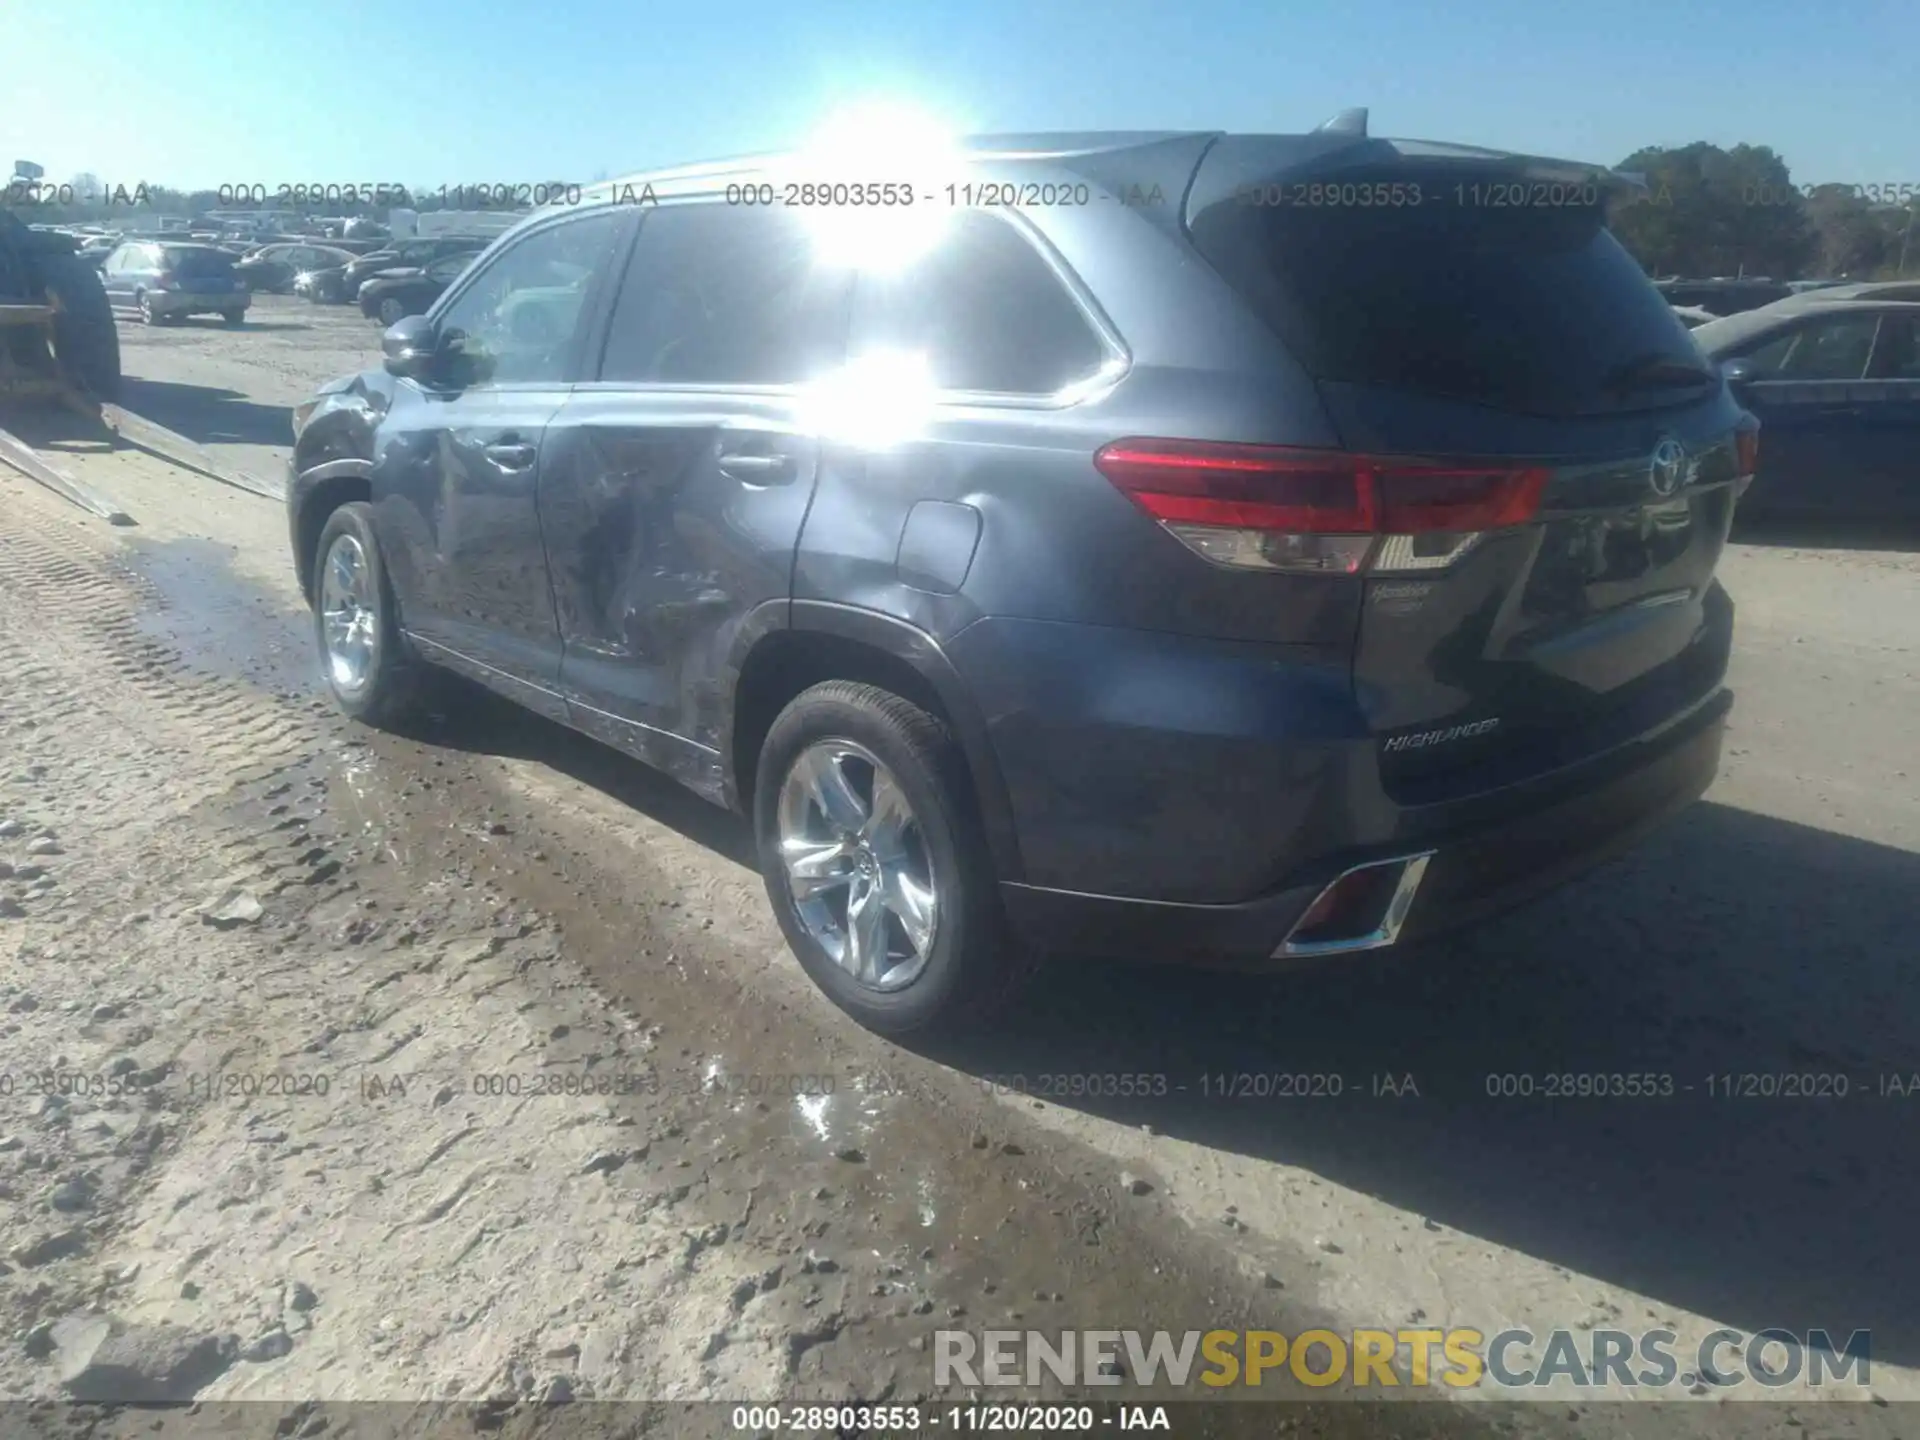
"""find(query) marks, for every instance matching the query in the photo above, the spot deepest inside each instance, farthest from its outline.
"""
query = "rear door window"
(723, 296)
(985, 310)
(1412, 280)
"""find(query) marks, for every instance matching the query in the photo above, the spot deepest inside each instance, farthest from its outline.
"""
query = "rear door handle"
(511, 455)
(755, 469)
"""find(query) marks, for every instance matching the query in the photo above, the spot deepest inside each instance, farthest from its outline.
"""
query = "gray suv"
(1195, 546)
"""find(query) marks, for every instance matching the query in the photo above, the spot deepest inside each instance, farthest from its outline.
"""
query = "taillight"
(1262, 507)
(1746, 456)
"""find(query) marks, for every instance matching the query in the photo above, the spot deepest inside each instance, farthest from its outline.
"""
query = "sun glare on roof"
(872, 185)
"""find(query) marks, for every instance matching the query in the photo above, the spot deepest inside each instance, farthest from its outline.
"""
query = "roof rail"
(1347, 122)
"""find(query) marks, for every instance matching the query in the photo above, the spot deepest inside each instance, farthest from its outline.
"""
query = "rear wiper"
(1655, 372)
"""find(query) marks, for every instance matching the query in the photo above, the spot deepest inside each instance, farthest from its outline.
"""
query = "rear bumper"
(177, 302)
(1545, 833)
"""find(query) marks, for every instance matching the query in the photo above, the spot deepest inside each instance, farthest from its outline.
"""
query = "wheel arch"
(819, 641)
(317, 494)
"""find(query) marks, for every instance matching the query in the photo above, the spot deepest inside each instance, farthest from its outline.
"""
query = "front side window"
(985, 310)
(522, 319)
(724, 296)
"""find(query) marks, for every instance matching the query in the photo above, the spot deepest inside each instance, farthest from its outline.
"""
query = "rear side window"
(189, 262)
(719, 295)
(986, 310)
(1528, 308)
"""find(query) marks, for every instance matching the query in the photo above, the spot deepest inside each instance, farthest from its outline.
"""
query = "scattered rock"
(604, 1162)
(29, 872)
(38, 1342)
(1321, 1242)
(45, 845)
(271, 1345)
(1007, 1147)
(559, 1391)
(70, 1196)
(299, 1296)
(1431, 1223)
(11, 829)
(190, 1291)
(234, 906)
(10, 908)
(852, 1154)
(102, 1360)
(1133, 1184)
(1272, 1281)
(46, 1248)
(818, 1264)
(106, 1011)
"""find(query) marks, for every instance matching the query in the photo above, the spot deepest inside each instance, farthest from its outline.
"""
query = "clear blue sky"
(202, 92)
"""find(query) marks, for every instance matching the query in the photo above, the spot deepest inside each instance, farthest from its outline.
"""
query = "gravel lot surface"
(320, 1003)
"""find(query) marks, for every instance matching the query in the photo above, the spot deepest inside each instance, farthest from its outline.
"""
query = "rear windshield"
(1527, 307)
(192, 261)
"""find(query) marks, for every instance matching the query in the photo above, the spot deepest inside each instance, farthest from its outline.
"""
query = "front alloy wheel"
(857, 865)
(363, 655)
(349, 621)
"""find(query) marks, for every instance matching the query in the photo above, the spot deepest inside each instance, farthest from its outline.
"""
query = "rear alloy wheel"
(875, 863)
(148, 316)
(362, 654)
(392, 312)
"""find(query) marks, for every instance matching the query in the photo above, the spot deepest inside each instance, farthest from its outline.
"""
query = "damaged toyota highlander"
(1288, 556)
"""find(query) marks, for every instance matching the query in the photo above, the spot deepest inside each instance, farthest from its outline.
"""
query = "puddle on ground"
(220, 623)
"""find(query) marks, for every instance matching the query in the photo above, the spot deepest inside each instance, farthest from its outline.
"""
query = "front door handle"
(756, 469)
(511, 455)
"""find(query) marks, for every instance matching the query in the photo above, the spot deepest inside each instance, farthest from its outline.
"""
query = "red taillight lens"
(1265, 492)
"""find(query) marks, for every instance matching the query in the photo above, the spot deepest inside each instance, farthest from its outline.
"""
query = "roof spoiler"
(1347, 122)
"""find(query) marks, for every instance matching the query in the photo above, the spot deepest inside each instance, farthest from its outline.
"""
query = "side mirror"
(411, 348)
(1738, 372)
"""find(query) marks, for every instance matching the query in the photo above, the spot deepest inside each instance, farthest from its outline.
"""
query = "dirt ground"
(469, 1065)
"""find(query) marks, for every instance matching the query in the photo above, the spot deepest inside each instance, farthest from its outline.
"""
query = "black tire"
(396, 688)
(143, 302)
(85, 340)
(974, 967)
(391, 311)
(234, 317)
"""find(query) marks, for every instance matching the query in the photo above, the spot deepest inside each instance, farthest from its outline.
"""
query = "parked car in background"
(395, 294)
(161, 281)
(320, 287)
(344, 288)
(1047, 590)
(1723, 297)
(273, 267)
(1835, 381)
(95, 249)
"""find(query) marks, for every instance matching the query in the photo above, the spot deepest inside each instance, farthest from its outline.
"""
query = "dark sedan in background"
(395, 294)
(342, 286)
(1834, 377)
(274, 267)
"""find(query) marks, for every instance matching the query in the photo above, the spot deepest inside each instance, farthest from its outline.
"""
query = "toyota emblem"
(1668, 468)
